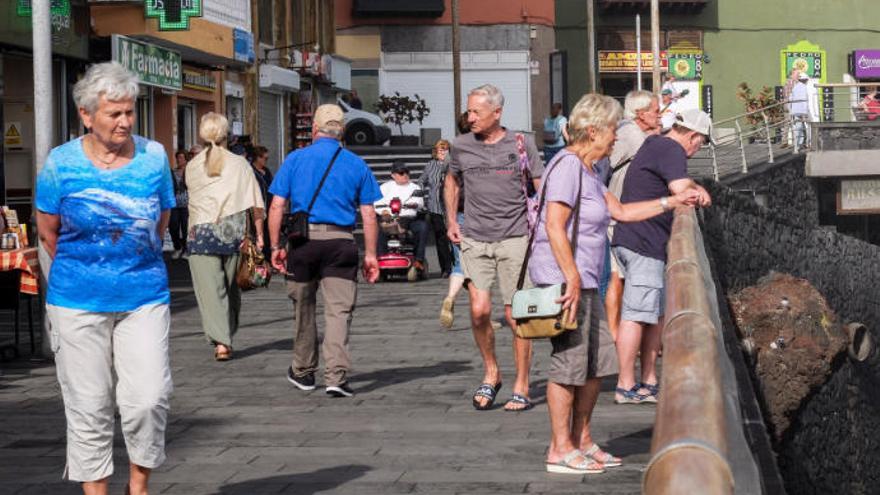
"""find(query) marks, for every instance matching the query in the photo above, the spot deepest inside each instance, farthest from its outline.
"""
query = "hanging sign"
(56, 8)
(173, 15)
(686, 66)
(805, 57)
(628, 61)
(866, 64)
(154, 65)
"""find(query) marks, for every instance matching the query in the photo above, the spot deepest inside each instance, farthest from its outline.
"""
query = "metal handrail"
(689, 444)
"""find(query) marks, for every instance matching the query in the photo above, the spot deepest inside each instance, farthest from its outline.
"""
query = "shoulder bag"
(296, 224)
(537, 314)
(253, 269)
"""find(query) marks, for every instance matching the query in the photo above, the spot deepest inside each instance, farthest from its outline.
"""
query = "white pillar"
(43, 130)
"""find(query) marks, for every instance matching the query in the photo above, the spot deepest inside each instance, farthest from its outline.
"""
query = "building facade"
(407, 47)
(751, 41)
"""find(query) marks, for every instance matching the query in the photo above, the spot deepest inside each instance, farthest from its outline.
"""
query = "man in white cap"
(799, 109)
(658, 169)
(329, 184)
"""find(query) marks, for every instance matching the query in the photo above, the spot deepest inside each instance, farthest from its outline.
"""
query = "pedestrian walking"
(432, 182)
(330, 185)
(799, 110)
(555, 133)
(180, 213)
(659, 167)
(568, 245)
(488, 161)
(103, 203)
(264, 180)
(224, 201)
(641, 112)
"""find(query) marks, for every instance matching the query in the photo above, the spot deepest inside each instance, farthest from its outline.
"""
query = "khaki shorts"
(480, 261)
(587, 352)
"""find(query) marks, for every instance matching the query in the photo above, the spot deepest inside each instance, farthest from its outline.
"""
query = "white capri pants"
(88, 346)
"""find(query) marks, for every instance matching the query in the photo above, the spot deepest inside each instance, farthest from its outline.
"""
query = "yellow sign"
(12, 135)
(628, 61)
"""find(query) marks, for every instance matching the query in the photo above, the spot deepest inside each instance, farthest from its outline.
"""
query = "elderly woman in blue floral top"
(222, 192)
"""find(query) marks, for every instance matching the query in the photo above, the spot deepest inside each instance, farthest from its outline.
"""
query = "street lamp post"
(456, 65)
(655, 44)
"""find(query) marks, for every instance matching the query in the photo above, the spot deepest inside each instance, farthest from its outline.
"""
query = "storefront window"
(186, 125)
(144, 113)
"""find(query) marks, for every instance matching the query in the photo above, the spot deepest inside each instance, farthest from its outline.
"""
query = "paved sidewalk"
(241, 428)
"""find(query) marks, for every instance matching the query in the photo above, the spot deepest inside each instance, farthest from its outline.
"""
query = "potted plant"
(761, 100)
(399, 110)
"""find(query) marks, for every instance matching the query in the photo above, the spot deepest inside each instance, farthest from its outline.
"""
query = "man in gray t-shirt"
(487, 161)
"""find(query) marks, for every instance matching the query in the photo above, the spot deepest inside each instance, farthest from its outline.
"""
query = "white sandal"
(568, 466)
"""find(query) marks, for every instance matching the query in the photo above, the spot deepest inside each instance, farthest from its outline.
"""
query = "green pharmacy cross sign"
(56, 7)
(173, 15)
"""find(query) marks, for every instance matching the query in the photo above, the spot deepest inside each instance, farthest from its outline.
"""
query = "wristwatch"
(277, 248)
(664, 203)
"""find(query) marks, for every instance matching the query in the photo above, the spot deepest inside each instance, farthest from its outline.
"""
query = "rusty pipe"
(689, 443)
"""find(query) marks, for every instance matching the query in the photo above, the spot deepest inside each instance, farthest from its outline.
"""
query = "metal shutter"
(271, 127)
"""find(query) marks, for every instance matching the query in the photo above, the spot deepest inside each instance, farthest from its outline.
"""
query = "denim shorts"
(643, 290)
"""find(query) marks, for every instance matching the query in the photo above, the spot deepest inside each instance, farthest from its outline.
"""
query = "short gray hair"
(331, 131)
(110, 80)
(491, 93)
(636, 101)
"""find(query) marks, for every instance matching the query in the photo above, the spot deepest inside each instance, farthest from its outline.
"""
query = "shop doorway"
(618, 85)
(186, 125)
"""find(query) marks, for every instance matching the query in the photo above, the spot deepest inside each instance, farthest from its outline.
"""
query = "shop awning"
(398, 8)
(668, 6)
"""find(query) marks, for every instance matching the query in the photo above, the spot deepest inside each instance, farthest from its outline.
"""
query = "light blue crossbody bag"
(535, 310)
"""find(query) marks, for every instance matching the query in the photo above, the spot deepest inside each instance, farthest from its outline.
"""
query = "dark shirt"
(432, 182)
(264, 180)
(356, 103)
(658, 162)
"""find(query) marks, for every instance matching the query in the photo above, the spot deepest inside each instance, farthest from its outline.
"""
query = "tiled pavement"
(241, 428)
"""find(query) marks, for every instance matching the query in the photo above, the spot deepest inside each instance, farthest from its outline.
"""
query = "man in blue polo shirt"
(329, 258)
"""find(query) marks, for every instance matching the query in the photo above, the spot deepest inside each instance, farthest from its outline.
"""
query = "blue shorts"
(643, 289)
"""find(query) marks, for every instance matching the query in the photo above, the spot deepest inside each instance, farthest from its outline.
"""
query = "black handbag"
(296, 224)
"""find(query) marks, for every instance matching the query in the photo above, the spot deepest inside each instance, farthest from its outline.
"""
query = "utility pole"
(591, 47)
(42, 44)
(639, 51)
(655, 44)
(456, 65)
(43, 130)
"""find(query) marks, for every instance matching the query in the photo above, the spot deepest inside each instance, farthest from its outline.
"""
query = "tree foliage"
(399, 110)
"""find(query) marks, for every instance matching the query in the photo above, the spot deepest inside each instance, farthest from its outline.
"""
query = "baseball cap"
(399, 167)
(695, 120)
(803, 76)
(666, 91)
(329, 115)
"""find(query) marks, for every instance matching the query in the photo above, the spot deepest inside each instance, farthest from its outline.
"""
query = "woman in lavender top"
(581, 357)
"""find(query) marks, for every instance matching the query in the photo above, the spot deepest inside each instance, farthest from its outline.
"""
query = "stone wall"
(782, 187)
(832, 444)
(847, 136)
(748, 241)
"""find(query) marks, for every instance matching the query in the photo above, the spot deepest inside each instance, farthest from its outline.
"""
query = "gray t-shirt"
(495, 206)
(629, 139)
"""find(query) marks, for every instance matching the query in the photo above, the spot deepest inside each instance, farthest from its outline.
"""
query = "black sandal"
(487, 391)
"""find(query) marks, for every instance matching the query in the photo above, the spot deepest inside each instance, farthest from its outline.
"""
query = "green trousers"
(218, 295)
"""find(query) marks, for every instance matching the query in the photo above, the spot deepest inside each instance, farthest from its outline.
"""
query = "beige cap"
(329, 115)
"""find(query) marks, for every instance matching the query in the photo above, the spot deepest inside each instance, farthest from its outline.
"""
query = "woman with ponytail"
(222, 192)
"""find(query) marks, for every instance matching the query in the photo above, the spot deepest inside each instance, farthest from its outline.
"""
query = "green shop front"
(70, 45)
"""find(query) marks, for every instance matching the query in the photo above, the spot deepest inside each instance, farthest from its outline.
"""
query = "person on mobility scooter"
(403, 231)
